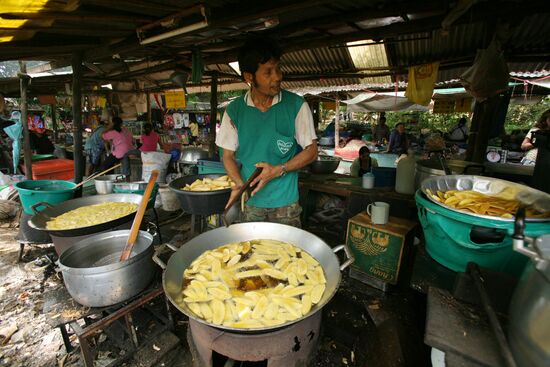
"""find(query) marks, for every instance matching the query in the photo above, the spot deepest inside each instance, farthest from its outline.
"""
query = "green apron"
(268, 137)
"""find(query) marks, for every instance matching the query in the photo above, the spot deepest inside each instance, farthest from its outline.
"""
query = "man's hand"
(234, 191)
(269, 172)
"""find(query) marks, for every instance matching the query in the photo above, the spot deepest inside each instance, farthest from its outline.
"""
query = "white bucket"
(169, 199)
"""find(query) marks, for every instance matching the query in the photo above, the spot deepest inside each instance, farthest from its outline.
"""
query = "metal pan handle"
(38, 205)
(157, 259)
(347, 252)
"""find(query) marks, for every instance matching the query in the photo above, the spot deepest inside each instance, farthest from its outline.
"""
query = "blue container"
(450, 238)
(53, 192)
(384, 176)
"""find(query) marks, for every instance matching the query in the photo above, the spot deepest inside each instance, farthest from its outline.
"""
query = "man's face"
(401, 129)
(267, 79)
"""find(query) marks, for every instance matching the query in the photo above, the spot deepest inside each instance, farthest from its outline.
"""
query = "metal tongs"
(231, 213)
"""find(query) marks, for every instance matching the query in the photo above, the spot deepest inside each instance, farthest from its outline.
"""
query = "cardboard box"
(378, 248)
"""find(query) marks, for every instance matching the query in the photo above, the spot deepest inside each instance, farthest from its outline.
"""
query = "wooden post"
(27, 153)
(315, 104)
(213, 115)
(484, 117)
(54, 122)
(337, 125)
(78, 156)
(149, 108)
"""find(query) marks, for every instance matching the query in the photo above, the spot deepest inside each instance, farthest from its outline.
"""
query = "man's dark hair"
(382, 119)
(399, 123)
(462, 121)
(257, 50)
(364, 149)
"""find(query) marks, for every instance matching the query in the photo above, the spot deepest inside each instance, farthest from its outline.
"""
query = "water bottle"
(368, 180)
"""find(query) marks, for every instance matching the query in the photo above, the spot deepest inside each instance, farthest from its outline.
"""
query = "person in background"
(363, 164)
(94, 147)
(381, 131)
(40, 144)
(149, 139)
(460, 131)
(194, 128)
(528, 143)
(119, 141)
(263, 129)
(399, 143)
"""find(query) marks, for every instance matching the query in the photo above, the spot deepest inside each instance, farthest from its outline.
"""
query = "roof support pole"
(149, 113)
(213, 115)
(27, 153)
(77, 117)
(54, 122)
(337, 125)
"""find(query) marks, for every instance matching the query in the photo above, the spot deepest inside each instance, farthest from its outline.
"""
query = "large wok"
(182, 258)
(39, 220)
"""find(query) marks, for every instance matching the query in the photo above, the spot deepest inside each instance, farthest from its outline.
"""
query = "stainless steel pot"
(94, 276)
(324, 164)
(173, 274)
(104, 184)
(192, 155)
(529, 330)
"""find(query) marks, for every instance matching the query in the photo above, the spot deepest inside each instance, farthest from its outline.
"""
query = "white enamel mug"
(379, 212)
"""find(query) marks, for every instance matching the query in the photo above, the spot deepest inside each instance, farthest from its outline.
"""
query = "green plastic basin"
(450, 239)
(53, 192)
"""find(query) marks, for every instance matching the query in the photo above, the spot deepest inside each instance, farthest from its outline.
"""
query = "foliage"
(523, 117)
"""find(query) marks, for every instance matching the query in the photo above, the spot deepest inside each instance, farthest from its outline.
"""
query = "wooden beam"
(133, 6)
(54, 122)
(77, 31)
(27, 153)
(78, 155)
(84, 18)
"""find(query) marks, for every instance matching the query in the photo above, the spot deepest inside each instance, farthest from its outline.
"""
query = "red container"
(53, 169)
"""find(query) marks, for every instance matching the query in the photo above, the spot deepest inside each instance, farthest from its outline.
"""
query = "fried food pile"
(209, 184)
(253, 284)
(502, 205)
(91, 215)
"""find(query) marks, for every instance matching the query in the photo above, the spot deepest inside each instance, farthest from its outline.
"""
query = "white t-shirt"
(227, 137)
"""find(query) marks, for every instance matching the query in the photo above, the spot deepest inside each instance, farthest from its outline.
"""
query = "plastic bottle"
(368, 180)
(404, 180)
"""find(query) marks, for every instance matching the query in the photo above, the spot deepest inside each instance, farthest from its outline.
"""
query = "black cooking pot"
(200, 202)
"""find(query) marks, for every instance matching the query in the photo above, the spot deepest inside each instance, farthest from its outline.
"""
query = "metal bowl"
(485, 185)
(200, 202)
(192, 155)
(324, 164)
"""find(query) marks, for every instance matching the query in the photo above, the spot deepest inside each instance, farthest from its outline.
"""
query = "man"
(262, 129)
(94, 147)
(399, 144)
(381, 131)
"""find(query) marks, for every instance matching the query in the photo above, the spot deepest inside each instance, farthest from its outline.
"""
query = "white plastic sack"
(154, 161)
(488, 75)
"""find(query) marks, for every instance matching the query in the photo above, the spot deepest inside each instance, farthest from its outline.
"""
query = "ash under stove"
(291, 346)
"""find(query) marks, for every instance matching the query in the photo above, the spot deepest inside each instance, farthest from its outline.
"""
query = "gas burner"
(291, 346)
(29, 236)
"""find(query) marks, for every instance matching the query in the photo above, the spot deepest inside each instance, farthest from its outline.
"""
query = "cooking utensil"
(230, 214)
(173, 274)
(96, 175)
(139, 217)
(93, 275)
(200, 202)
(105, 184)
(488, 186)
(324, 164)
(192, 155)
(40, 219)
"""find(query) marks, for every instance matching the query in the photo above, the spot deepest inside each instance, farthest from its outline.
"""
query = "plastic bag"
(152, 161)
(422, 79)
(488, 75)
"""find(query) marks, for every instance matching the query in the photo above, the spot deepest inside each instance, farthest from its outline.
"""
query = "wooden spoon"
(139, 217)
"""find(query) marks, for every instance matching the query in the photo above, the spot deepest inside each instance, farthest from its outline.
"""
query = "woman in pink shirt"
(149, 139)
(119, 141)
